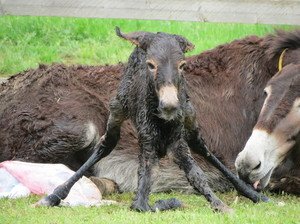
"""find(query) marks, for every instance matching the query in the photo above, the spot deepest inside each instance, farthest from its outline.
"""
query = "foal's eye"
(182, 65)
(151, 66)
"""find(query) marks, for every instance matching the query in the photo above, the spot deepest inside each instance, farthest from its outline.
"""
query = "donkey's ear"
(185, 45)
(140, 39)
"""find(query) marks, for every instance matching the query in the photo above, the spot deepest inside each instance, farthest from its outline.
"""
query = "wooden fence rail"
(241, 11)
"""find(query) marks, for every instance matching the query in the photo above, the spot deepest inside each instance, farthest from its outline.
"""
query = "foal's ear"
(185, 45)
(140, 39)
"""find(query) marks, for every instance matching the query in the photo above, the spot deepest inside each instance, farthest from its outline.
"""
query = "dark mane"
(282, 40)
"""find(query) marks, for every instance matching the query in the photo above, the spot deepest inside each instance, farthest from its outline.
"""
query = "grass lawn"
(27, 41)
(283, 209)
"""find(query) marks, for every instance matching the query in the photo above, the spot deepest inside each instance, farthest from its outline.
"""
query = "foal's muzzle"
(169, 105)
(169, 112)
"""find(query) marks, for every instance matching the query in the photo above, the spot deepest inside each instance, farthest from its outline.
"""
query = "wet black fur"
(139, 102)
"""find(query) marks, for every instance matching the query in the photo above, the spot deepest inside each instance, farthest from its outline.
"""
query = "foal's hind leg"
(197, 144)
(101, 149)
(196, 176)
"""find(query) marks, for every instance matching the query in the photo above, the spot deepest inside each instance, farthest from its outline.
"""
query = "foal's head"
(277, 130)
(165, 65)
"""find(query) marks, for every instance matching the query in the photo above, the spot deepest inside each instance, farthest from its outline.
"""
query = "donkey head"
(277, 131)
(165, 65)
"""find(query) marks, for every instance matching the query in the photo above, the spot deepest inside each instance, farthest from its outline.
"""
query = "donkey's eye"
(267, 91)
(182, 65)
(151, 66)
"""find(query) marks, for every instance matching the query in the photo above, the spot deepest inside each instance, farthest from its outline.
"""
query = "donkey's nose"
(246, 163)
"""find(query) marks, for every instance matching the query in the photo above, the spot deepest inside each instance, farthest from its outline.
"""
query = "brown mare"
(45, 113)
(276, 136)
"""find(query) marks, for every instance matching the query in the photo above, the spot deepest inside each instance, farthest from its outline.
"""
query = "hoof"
(223, 209)
(219, 206)
(258, 197)
(264, 198)
(254, 195)
(48, 201)
(162, 205)
(139, 207)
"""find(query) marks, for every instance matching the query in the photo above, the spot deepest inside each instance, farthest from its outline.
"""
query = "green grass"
(283, 209)
(27, 41)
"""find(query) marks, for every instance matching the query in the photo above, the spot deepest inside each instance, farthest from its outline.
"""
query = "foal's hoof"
(224, 209)
(257, 197)
(139, 207)
(264, 198)
(162, 205)
(219, 206)
(48, 201)
(253, 194)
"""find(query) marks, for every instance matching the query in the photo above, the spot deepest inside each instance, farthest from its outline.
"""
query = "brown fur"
(43, 112)
(54, 101)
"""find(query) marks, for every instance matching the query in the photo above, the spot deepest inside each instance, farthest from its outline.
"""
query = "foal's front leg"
(101, 149)
(195, 175)
(147, 159)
